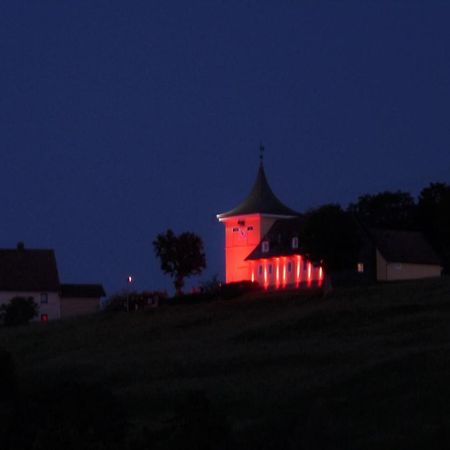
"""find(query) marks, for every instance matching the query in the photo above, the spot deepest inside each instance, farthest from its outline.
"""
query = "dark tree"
(19, 311)
(330, 235)
(181, 256)
(434, 218)
(395, 210)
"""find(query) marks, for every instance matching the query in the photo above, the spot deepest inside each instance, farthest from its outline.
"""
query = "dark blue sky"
(119, 119)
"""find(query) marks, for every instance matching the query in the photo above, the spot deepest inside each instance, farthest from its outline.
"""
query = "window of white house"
(260, 270)
(289, 267)
(360, 267)
(295, 242)
(44, 297)
(270, 269)
(265, 246)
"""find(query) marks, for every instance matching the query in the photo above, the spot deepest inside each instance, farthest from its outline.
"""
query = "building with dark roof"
(262, 241)
(33, 273)
(401, 255)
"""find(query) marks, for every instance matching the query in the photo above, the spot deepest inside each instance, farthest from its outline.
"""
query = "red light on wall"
(284, 272)
(44, 317)
(320, 276)
(309, 274)
(297, 273)
(277, 279)
(266, 285)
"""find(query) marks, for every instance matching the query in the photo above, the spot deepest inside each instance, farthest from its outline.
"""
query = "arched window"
(265, 246)
(295, 242)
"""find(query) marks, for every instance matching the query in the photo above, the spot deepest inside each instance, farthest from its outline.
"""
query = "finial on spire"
(261, 152)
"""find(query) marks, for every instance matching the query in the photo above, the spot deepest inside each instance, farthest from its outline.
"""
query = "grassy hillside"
(364, 368)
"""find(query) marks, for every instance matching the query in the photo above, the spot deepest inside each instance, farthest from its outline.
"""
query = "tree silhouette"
(395, 210)
(181, 256)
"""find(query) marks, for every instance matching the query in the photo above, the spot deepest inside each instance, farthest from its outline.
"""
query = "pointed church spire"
(261, 199)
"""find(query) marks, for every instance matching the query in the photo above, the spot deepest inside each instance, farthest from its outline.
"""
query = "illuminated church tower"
(248, 223)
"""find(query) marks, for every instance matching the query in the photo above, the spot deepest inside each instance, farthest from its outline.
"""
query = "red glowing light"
(309, 273)
(266, 284)
(320, 276)
(297, 274)
(44, 317)
(284, 272)
(277, 279)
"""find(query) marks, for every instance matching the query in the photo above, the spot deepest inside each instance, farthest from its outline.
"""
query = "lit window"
(360, 267)
(235, 229)
(44, 297)
(260, 270)
(250, 228)
(295, 242)
(270, 269)
(289, 267)
(265, 246)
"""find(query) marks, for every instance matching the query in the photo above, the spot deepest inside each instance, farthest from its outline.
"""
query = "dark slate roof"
(28, 270)
(260, 200)
(82, 290)
(404, 247)
(279, 237)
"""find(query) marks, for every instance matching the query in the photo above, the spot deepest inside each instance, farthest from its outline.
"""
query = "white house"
(33, 273)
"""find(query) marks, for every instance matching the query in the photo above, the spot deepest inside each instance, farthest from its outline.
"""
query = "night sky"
(120, 119)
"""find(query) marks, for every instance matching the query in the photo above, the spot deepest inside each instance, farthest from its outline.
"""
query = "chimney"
(20, 246)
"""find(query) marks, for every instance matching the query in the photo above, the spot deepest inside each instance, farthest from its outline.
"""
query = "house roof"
(82, 290)
(279, 237)
(404, 247)
(261, 200)
(28, 270)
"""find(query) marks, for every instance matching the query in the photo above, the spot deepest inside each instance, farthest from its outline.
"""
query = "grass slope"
(363, 368)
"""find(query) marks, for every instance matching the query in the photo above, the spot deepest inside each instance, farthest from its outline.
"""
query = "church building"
(262, 242)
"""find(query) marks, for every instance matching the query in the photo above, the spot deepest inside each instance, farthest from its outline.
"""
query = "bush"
(19, 311)
(134, 301)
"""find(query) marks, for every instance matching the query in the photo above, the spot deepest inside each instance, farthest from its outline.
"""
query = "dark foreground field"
(365, 368)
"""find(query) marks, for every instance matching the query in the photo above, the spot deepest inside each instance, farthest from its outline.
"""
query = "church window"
(241, 222)
(249, 228)
(360, 267)
(289, 267)
(295, 242)
(260, 270)
(235, 229)
(270, 269)
(265, 246)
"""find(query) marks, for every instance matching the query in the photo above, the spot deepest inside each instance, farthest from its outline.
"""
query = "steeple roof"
(261, 200)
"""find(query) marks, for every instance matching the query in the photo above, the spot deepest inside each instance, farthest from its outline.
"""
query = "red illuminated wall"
(242, 235)
(286, 272)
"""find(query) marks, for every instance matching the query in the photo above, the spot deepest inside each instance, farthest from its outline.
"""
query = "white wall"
(51, 308)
